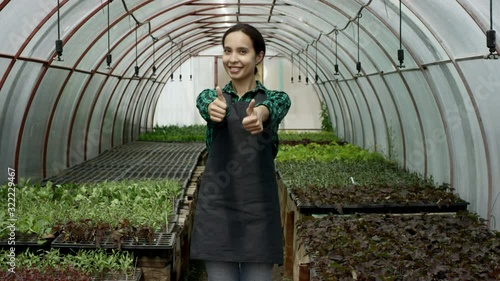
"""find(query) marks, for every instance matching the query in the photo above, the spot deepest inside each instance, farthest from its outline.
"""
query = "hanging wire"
(172, 61)
(109, 57)
(59, 42)
(316, 76)
(180, 64)
(136, 72)
(154, 57)
(136, 20)
(358, 64)
(401, 52)
(491, 37)
(336, 54)
(491, 14)
(190, 65)
(336, 30)
(307, 64)
(291, 79)
(300, 77)
(58, 20)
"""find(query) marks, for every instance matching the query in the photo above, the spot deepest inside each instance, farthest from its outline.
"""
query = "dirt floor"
(197, 272)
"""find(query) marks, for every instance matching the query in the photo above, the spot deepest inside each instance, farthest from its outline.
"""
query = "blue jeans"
(238, 271)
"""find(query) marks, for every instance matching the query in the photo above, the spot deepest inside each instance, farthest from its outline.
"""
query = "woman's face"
(239, 56)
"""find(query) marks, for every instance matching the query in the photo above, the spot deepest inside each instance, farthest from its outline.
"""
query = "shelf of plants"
(337, 178)
(136, 160)
(129, 214)
(127, 198)
(400, 247)
(81, 265)
(344, 179)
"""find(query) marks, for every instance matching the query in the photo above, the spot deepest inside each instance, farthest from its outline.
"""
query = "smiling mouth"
(234, 69)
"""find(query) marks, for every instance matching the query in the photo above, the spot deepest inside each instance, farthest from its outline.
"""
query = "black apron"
(237, 214)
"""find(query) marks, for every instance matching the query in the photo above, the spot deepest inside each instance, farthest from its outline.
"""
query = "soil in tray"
(378, 198)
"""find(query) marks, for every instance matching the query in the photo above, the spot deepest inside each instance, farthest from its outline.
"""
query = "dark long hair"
(259, 45)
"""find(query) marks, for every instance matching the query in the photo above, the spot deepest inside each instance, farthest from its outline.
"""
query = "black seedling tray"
(161, 241)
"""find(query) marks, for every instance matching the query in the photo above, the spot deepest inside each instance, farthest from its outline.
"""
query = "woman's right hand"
(217, 108)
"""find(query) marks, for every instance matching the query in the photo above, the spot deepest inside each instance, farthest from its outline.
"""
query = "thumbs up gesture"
(255, 117)
(217, 108)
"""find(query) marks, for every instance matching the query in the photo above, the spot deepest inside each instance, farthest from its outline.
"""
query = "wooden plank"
(289, 255)
(301, 263)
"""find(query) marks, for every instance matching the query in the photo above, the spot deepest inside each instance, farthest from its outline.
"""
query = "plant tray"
(118, 277)
(383, 208)
(308, 209)
(25, 240)
(136, 160)
(162, 241)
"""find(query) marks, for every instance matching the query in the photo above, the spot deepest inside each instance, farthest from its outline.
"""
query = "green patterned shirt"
(277, 103)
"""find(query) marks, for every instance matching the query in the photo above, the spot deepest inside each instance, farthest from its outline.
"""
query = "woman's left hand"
(255, 118)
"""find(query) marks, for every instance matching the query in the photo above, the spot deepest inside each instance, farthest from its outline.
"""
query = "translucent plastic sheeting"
(96, 121)
(417, 40)
(349, 44)
(79, 144)
(71, 15)
(411, 120)
(485, 88)
(183, 111)
(333, 103)
(57, 149)
(37, 122)
(14, 108)
(392, 129)
(132, 104)
(312, 21)
(436, 155)
(18, 23)
(304, 99)
(482, 10)
(469, 166)
(452, 25)
(365, 112)
(350, 113)
(140, 114)
(110, 116)
(344, 126)
(120, 123)
(378, 120)
(4, 64)
(381, 19)
(377, 43)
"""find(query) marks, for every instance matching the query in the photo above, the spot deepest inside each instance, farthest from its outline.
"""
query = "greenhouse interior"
(366, 148)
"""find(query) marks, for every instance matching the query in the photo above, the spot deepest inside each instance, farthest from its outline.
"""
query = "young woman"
(237, 227)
